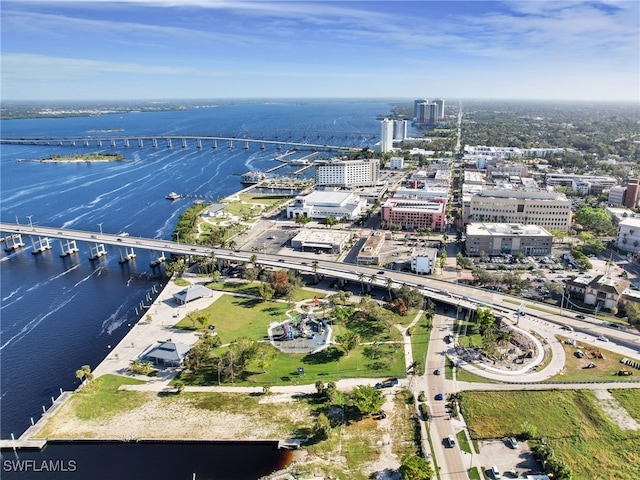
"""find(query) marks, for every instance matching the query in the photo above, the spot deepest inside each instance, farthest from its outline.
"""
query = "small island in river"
(89, 157)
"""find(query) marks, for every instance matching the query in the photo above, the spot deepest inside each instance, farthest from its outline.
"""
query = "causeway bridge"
(13, 236)
(459, 296)
(156, 141)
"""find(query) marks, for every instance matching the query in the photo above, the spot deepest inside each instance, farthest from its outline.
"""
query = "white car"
(603, 339)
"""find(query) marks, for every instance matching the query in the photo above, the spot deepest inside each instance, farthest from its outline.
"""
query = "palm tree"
(389, 285)
(372, 281)
(212, 260)
(361, 278)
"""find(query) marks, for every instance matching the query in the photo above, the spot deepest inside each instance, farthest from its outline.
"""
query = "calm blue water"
(59, 314)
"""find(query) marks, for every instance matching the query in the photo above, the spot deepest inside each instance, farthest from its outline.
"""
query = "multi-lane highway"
(467, 297)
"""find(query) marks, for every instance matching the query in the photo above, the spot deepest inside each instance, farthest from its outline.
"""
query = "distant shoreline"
(79, 158)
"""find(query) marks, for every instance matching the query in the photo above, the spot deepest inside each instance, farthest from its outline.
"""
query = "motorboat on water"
(173, 196)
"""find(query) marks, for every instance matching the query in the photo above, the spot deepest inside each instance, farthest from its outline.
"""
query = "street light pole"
(29, 217)
(100, 225)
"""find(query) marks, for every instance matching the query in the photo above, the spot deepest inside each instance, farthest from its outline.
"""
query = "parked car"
(579, 354)
(388, 383)
(512, 442)
(439, 396)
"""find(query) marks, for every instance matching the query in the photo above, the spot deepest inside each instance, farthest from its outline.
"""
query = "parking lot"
(512, 462)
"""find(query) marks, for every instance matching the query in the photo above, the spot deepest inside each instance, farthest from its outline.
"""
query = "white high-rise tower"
(386, 135)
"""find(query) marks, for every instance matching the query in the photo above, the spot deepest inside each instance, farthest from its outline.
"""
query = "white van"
(496, 472)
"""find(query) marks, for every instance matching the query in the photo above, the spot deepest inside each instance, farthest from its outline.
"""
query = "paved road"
(449, 460)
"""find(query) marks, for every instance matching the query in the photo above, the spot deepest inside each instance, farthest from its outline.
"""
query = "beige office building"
(550, 210)
(499, 238)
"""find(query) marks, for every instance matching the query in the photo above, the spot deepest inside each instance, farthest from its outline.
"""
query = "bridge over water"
(464, 296)
(184, 140)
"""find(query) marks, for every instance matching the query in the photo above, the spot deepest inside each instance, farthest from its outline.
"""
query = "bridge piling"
(96, 250)
(126, 255)
(13, 242)
(157, 259)
(68, 247)
(40, 245)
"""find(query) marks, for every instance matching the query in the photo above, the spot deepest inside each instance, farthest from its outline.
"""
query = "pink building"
(412, 213)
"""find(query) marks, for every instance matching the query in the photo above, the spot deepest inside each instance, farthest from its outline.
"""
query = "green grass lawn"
(573, 424)
(101, 398)
(605, 370)
(255, 200)
(236, 317)
(420, 341)
(181, 282)
(463, 442)
(630, 400)
(474, 474)
(253, 288)
(329, 365)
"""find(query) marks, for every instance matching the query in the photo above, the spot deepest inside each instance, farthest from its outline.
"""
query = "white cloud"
(18, 67)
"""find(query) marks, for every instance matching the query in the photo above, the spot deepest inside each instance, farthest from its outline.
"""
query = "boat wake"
(5, 302)
(29, 327)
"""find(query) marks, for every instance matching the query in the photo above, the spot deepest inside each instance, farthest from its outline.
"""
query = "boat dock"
(26, 440)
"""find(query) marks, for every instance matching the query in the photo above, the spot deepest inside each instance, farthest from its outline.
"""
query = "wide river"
(58, 314)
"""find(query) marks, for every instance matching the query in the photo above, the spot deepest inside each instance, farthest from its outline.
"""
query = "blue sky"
(177, 49)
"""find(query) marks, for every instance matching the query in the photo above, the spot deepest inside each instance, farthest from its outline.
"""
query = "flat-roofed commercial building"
(424, 260)
(411, 213)
(347, 173)
(396, 163)
(628, 238)
(550, 210)
(310, 239)
(323, 204)
(429, 192)
(571, 181)
(499, 238)
(369, 254)
(616, 195)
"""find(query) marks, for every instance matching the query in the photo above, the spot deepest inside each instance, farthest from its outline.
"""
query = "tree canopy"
(367, 399)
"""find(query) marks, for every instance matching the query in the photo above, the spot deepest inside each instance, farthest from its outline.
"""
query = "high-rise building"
(422, 112)
(631, 195)
(428, 113)
(440, 103)
(347, 173)
(433, 114)
(416, 108)
(386, 135)
(399, 130)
